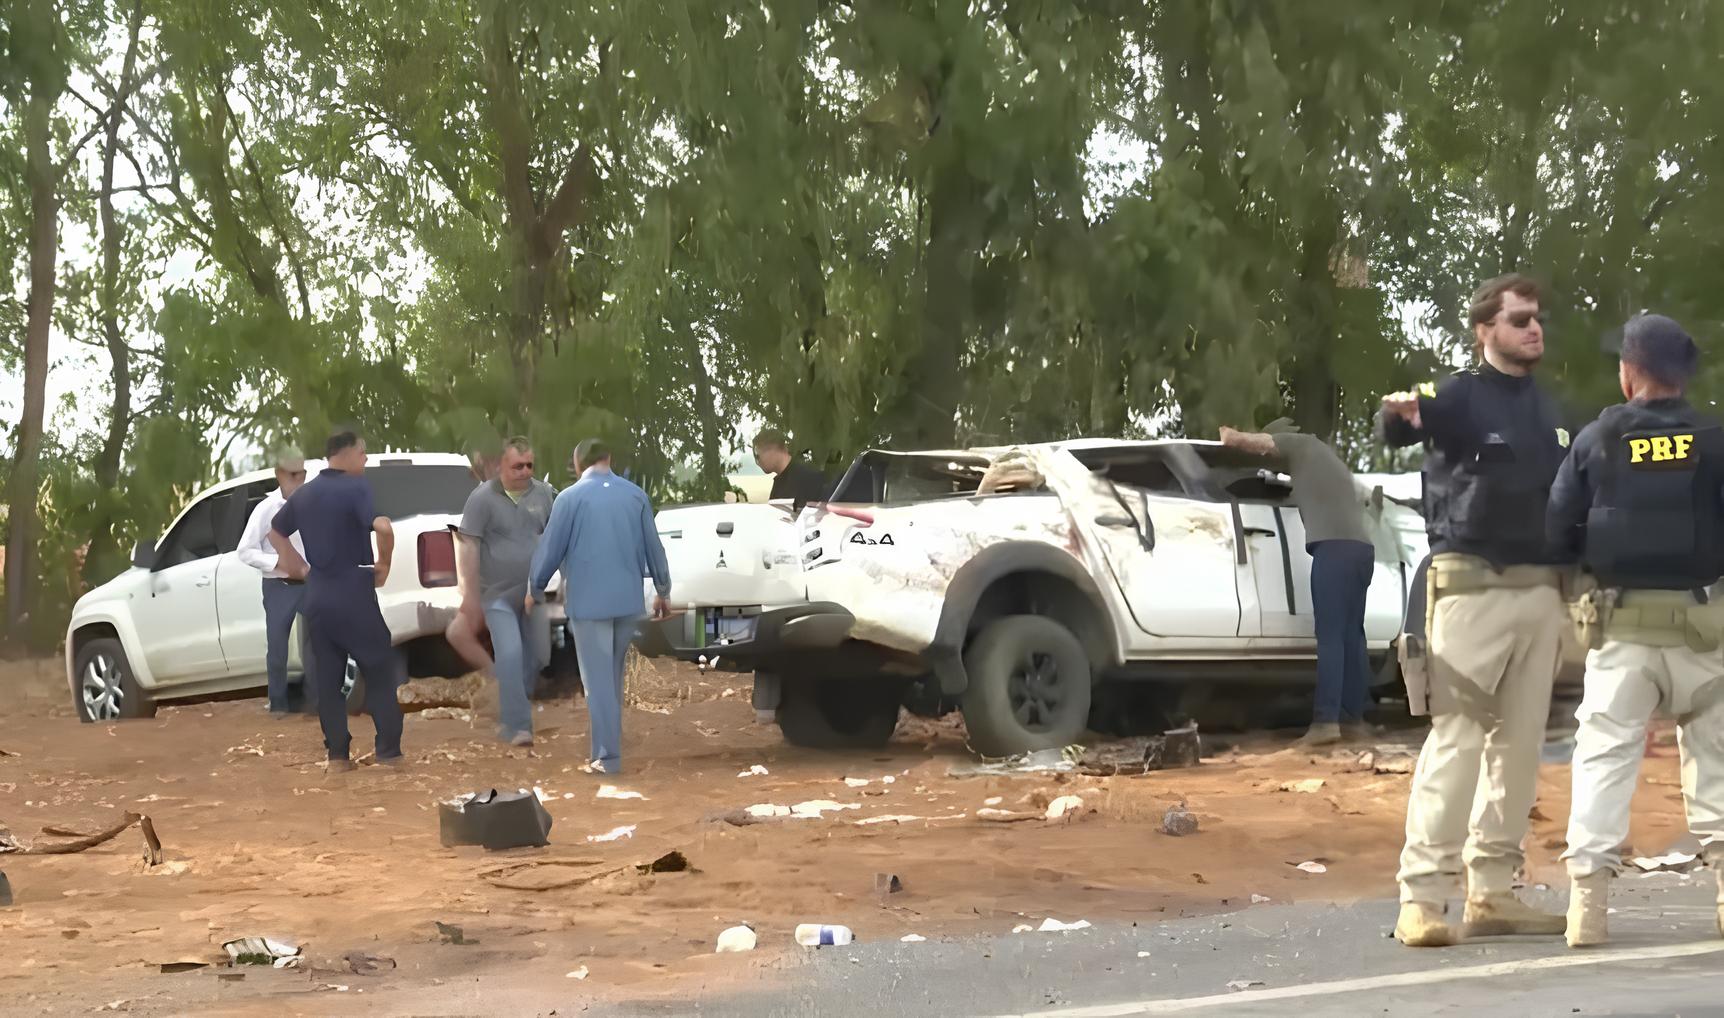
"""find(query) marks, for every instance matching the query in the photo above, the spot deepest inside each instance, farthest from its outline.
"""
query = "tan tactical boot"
(1422, 925)
(1589, 910)
(1503, 915)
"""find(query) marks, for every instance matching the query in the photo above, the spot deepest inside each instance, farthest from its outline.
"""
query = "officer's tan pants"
(1625, 683)
(1494, 657)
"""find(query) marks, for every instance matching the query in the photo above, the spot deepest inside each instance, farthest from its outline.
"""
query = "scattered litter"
(1244, 984)
(580, 973)
(887, 884)
(614, 834)
(446, 714)
(568, 795)
(823, 935)
(279, 954)
(169, 869)
(1063, 805)
(1178, 821)
(362, 964)
(736, 940)
(1143, 954)
(706, 730)
(246, 748)
(757, 771)
(1398, 764)
(1042, 761)
(901, 818)
(1670, 862)
(767, 809)
(1312, 867)
(1178, 747)
(1023, 928)
(889, 779)
(1258, 899)
(1005, 816)
(512, 820)
(1307, 786)
(451, 934)
(333, 986)
(856, 782)
(613, 792)
(813, 809)
(1051, 925)
(911, 938)
(993, 800)
(183, 965)
(593, 869)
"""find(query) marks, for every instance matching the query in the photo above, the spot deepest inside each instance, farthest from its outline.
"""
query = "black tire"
(356, 676)
(110, 692)
(839, 713)
(1030, 686)
(562, 675)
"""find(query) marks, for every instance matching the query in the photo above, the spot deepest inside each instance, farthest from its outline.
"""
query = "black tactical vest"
(1491, 499)
(1654, 521)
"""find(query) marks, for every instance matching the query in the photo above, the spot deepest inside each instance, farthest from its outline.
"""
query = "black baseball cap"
(1657, 345)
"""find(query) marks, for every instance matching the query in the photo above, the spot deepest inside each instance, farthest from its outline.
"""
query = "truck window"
(1240, 475)
(876, 478)
(401, 490)
(194, 537)
(1144, 467)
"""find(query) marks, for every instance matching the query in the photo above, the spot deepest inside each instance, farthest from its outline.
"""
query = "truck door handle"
(1115, 521)
(1262, 531)
(202, 581)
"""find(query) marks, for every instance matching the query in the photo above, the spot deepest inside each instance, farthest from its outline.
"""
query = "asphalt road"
(1312, 960)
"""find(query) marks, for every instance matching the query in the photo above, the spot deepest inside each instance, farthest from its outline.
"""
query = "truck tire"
(354, 681)
(838, 713)
(106, 689)
(1029, 689)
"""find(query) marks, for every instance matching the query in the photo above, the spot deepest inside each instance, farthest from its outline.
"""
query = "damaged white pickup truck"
(1026, 586)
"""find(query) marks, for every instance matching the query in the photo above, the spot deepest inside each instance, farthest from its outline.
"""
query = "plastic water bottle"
(820, 935)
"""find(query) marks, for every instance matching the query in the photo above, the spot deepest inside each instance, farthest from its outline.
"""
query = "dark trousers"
(1340, 578)
(346, 623)
(282, 603)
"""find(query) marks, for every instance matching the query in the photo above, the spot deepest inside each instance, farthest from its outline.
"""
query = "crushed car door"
(1171, 556)
(1275, 599)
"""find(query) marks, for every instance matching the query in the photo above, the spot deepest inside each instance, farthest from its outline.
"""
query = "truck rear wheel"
(1029, 688)
(838, 713)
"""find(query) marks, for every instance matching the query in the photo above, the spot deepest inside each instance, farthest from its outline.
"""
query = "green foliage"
(911, 222)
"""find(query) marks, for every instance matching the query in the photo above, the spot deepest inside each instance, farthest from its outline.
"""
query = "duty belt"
(1464, 574)
(1665, 618)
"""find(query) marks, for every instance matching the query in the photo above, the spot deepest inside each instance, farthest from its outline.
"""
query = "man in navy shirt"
(335, 518)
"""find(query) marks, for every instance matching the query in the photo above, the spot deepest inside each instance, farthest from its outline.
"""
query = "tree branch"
(269, 210)
(569, 206)
(101, 123)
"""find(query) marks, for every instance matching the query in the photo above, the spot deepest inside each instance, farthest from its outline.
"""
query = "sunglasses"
(1521, 319)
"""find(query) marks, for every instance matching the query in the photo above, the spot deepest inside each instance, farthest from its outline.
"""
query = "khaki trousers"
(1494, 657)
(1625, 683)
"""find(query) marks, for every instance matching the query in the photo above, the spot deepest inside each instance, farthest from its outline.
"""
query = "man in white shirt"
(283, 594)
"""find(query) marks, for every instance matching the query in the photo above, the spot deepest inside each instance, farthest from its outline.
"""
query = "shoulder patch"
(1428, 390)
(1562, 437)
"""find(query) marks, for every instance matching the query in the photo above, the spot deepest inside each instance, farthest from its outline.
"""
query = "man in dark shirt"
(1641, 499)
(1496, 621)
(800, 482)
(335, 518)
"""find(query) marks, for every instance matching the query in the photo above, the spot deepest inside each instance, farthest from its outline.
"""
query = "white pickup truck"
(1014, 583)
(187, 619)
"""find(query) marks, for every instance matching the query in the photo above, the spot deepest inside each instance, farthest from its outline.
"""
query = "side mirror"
(144, 554)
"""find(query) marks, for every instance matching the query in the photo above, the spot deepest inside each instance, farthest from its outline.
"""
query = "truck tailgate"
(732, 555)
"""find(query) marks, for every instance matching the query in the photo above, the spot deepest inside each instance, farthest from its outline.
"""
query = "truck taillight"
(437, 559)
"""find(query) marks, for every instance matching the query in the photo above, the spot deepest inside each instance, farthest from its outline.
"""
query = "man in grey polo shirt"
(1342, 559)
(500, 528)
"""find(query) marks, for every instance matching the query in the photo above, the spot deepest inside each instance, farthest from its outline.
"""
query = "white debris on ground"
(1063, 805)
(614, 834)
(757, 771)
(1052, 925)
(613, 792)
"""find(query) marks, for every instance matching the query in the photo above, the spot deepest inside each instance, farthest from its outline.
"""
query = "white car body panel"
(1191, 597)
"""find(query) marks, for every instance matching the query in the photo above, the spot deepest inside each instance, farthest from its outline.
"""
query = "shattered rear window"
(877, 478)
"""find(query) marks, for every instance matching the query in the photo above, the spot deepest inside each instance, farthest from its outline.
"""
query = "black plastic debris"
(495, 820)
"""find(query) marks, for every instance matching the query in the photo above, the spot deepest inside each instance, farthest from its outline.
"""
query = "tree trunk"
(44, 251)
(103, 560)
(712, 480)
(933, 383)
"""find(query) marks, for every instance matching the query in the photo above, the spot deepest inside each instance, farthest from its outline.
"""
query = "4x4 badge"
(886, 539)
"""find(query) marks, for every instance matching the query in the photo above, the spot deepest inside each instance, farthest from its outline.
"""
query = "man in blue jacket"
(603, 538)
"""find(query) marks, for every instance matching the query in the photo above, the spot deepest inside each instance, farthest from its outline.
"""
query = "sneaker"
(1321, 733)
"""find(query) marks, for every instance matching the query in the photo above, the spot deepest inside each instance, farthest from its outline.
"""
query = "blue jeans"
(282, 603)
(1340, 579)
(514, 651)
(602, 648)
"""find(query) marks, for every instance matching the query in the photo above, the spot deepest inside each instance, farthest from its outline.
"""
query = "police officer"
(335, 518)
(1496, 621)
(1641, 497)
